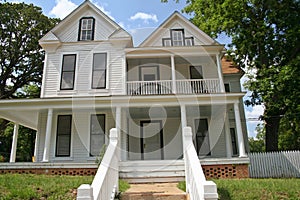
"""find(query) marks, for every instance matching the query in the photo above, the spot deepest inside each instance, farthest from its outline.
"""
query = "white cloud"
(65, 7)
(103, 9)
(144, 16)
(254, 112)
(62, 8)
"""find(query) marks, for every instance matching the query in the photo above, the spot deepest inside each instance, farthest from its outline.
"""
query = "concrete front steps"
(152, 171)
(154, 191)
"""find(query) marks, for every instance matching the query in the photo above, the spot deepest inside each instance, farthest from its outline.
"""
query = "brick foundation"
(211, 171)
(53, 171)
(226, 171)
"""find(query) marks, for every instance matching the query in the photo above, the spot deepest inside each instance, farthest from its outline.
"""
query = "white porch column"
(220, 74)
(173, 74)
(118, 126)
(36, 146)
(14, 144)
(240, 138)
(48, 136)
(118, 120)
(183, 117)
(228, 137)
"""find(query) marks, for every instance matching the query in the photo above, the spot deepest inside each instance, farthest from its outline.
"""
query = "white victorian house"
(153, 96)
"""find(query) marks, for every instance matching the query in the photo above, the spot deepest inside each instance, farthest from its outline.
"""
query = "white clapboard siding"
(285, 164)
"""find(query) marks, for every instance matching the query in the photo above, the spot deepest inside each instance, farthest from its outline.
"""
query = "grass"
(36, 187)
(260, 189)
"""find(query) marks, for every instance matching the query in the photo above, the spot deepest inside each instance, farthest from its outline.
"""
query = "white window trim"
(55, 136)
(106, 139)
(107, 78)
(60, 91)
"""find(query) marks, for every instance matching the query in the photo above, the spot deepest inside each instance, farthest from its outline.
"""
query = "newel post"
(85, 192)
(188, 136)
(113, 136)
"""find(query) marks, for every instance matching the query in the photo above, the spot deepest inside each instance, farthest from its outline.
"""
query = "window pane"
(69, 62)
(177, 37)
(64, 126)
(189, 42)
(67, 81)
(99, 61)
(167, 42)
(196, 72)
(97, 134)
(99, 79)
(86, 29)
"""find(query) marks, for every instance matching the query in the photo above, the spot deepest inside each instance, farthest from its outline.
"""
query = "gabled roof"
(177, 16)
(228, 67)
(85, 5)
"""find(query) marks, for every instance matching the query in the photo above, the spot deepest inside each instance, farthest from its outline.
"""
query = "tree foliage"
(21, 62)
(21, 57)
(266, 40)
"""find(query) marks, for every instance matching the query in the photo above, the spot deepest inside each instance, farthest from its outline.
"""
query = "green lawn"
(36, 187)
(262, 189)
(258, 189)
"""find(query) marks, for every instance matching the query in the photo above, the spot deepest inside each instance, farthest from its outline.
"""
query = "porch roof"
(26, 111)
(167, 51)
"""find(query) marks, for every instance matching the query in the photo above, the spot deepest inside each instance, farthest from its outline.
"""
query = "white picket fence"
(284, 164)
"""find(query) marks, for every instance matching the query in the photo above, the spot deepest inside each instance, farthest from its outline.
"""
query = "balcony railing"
(190, 86)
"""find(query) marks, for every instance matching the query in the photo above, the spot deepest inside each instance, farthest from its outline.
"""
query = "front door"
(202, 137)
(151, 140)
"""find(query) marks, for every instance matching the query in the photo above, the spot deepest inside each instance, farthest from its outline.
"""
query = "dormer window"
(177, 38)
(86, 28)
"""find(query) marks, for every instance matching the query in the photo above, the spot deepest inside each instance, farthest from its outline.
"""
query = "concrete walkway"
(154, 191)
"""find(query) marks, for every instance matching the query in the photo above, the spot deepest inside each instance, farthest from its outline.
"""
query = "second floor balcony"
(163, 72)
(158, 87)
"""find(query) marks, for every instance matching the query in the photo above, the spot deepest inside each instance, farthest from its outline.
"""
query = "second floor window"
(68, 72)
(86, 28)
(99, 71)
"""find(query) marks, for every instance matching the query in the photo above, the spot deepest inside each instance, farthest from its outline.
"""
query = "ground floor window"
(97, 134)
(63, 137)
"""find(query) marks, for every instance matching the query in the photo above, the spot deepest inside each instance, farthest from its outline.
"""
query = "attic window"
(177, 38)
(86, 28)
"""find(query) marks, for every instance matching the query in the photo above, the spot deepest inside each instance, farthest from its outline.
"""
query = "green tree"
(266, 40)
(21, 61)
(21, 57)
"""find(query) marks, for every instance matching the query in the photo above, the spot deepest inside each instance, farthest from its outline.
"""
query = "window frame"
(68, 71)
(57, 154)
(92, 30)
(227, 87)
(182, 39)
(90, 134)
(105, 71)
(233, 142)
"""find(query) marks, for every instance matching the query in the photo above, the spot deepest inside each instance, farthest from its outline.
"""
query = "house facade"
(95, 79)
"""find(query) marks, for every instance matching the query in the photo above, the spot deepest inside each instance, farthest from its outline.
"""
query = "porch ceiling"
(24, 118)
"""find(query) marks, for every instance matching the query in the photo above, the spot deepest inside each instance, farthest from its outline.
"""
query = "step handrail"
(105, 183)
(197, 187)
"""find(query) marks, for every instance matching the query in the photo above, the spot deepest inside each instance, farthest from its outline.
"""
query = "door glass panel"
(151, 137)
(202, 137)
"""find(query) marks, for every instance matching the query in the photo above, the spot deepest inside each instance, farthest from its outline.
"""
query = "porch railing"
(105, 183)
(197, 187)
(186, 86)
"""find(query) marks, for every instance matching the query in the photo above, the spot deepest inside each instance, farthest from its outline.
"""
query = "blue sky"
(138, 17)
